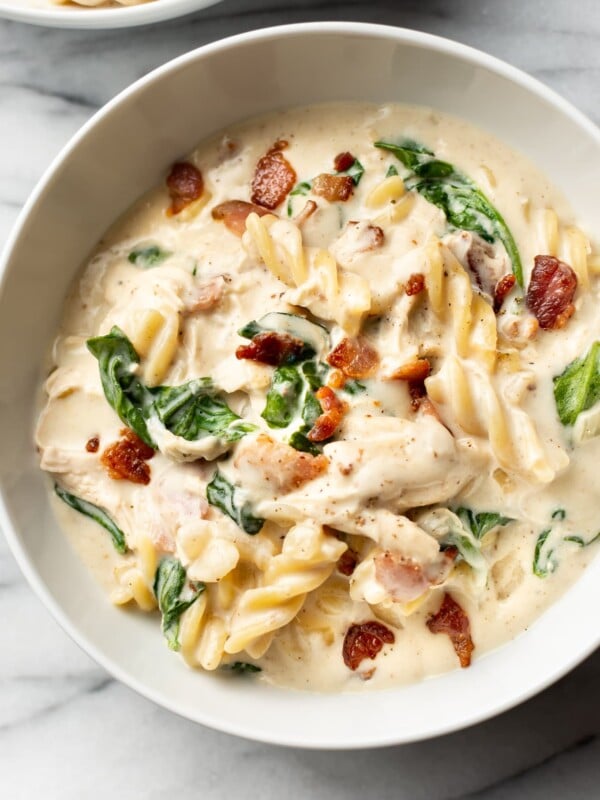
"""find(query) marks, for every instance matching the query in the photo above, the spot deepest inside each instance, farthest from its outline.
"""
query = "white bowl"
(124, 150)
(73, 16)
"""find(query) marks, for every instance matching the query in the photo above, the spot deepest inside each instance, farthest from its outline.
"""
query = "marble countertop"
(67, 729)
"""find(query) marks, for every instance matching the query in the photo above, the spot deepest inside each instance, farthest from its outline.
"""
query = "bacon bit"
(92, 444)
(347, 562)
(418, 394)
(280, 144)
(333, 410)
(271, 348)
(336, 379)
(451, 619)
(550, 292)
(414, 371)
(279, 464)
(333, 187)
(415, 284)
(185, 184)
(273, 178)
(354, 357)
(343, 161)
(126, 458)
(234, 214)
(365, 641)
(308, 210)
(503, 287)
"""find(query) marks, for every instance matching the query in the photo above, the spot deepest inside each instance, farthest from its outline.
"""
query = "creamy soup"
(326, 399)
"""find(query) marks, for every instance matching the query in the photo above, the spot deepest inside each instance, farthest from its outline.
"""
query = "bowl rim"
(367, 30)
(145, 12)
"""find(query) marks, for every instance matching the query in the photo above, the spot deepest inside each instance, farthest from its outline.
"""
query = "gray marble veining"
(67, 729)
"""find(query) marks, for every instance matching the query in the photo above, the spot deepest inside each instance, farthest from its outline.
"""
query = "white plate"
(124, 150)
(73, 16)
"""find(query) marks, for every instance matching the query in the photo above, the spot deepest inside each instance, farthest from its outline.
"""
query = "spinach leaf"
(222, 494)
(284, 397)
(480, 523)
(579, 540)
(544, 561)
(291, 397)
(578, 387)
(391, 171)
(149, 256)
(242, 668)
(97, 514)
(126, 394)
(169, 583)
(354, 387)
(463, 203)
(355, 171)
(190, 410)
(559, 513)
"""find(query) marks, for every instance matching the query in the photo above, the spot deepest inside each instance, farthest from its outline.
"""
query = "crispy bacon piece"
(452, 620)
(336, 379)
(343, 161)
(279, 465)
(503, 287)
(185, 184)
(415, 284)
(365, 640)
(347, 562)
(271, 348)
(126, 458)
(550, 292)
(92, 444)
(280, 144)
(333, 410)
(273, 178)
(354, 357)
(234, 214)
(414, 371)
(335, 188)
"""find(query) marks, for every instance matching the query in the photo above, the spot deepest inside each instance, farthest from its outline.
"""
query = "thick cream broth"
(480, 432)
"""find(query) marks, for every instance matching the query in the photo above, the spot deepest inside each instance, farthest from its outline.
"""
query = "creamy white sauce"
(385, 460)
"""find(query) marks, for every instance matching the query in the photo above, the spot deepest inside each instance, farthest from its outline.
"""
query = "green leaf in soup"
(544, 561)
(283, 398)
(222, 494)
(464, 205)
(148, 256)
(191, 411)
(242, 668)
(578, 388)
(169, 583)
(97, 514)
(409, 152)
(480, 523)
(126, 394)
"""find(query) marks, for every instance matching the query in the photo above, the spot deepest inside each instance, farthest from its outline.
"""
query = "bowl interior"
(121, 153)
